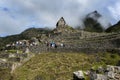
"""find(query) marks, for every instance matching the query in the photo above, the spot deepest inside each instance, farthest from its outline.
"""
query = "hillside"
(60, 66)
(27, 34)
(114, 28)
(10, 39)
(35, 32)
(91, 22)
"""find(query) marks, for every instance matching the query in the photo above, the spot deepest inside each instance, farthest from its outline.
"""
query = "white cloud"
(115, 10)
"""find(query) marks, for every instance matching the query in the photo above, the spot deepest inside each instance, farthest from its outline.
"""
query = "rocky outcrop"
(113, 72)
(108, 73)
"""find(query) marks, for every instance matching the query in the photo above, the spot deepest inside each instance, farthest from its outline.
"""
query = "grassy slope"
(5, 74)
(60, 66)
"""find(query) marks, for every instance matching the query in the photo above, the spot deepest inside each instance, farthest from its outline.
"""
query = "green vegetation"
(14, 51)
(5, 74)
(60, 66)
(92, 25)
(35, 32)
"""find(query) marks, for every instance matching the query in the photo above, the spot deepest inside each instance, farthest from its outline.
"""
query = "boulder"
(110, 68)
(111, 75)
(101, 77)
(113, 72)
(93, 76)
(78, 75)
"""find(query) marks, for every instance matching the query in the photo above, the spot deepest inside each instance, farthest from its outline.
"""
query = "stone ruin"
(60, 26)
(11, 59)
(61, 23)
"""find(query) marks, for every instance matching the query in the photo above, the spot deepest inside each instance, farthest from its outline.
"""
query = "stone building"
(61, 23)
(62, 27)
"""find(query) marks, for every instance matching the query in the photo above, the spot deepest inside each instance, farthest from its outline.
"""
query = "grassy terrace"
(60, 66)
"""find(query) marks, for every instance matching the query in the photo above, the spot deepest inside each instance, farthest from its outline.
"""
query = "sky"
(18, 15)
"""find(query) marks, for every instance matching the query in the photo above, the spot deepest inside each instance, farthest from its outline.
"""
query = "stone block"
(78, 75)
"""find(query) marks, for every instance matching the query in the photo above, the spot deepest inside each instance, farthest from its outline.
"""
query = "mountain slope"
(10, 39)
(35, 32)
(114, 28)
(91, 22)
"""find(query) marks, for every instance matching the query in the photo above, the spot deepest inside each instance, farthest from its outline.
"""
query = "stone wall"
(77, 42)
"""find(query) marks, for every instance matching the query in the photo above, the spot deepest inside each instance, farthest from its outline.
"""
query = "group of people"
(21, 44)
(54, 45)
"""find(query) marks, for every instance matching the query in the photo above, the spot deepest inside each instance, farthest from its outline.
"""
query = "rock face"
(109, 73)
(78, 75)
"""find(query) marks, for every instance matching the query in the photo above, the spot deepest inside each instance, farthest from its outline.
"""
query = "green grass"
(60, 66)
(5, 74)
